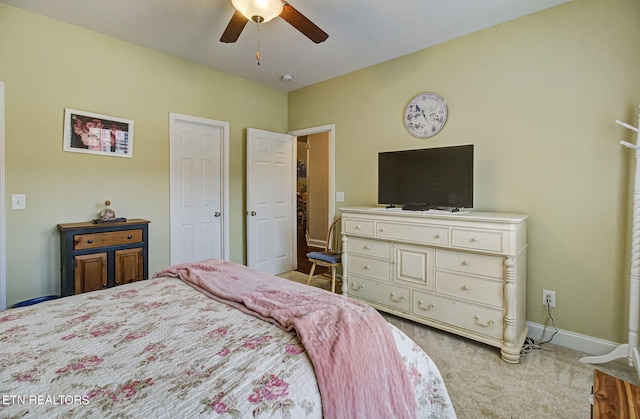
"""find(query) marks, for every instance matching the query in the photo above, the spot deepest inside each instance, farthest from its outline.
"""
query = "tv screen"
(430, 178)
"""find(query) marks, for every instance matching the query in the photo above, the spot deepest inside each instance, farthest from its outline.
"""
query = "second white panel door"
(270, 201)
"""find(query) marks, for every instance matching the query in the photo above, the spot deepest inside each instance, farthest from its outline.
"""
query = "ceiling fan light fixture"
(259, 10)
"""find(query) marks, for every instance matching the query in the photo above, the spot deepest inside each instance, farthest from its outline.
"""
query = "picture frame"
(92, 133)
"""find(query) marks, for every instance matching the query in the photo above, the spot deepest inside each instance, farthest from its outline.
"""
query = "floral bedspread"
(158, 348)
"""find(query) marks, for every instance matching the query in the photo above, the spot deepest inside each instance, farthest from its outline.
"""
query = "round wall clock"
(425, 115)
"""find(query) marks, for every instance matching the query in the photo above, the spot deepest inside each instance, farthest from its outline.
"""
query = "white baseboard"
(571, 340)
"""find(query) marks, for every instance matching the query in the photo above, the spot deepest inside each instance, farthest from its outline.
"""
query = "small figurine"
(107, 214)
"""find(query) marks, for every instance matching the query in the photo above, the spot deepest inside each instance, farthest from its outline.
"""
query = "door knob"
(217, 214)
(253, 213)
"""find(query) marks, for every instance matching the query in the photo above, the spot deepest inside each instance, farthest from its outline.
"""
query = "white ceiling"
(361, 32)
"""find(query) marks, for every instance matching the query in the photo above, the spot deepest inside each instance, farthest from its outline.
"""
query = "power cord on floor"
(553, 324)
(530, 345)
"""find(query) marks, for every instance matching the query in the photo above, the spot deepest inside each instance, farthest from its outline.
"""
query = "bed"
(179, 345)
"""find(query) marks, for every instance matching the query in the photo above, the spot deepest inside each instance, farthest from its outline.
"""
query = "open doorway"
(314, 191)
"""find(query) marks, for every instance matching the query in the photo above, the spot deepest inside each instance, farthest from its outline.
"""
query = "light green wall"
(48, 66)
(538, 97)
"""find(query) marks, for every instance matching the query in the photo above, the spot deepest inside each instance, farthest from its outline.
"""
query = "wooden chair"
(302, 208)
(327, 258)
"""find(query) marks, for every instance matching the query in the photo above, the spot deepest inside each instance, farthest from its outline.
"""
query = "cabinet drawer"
(470, 263)
(381, 293)
(475, 239)
(413, 232)
(111, 238)
(366, 247)
(470, 288)
(481, 320)
(358, 227)
(375, 268)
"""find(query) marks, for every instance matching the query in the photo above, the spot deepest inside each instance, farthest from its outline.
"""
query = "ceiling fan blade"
(301, 23)
(234, 28)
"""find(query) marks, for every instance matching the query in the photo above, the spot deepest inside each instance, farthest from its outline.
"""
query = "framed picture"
(86, 132)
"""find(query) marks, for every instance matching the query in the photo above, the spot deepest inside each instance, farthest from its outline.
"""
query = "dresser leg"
(511, 354)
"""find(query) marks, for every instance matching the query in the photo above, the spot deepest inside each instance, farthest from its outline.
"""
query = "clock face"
(425, 115)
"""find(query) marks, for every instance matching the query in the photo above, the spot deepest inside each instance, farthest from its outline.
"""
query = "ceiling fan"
(261, 11)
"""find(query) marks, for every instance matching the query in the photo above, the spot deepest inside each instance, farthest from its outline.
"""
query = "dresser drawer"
(475, 239)
(413, 233)
(480, 320)
(375, 268)
(361, 227)
(111, 238)
(367, 247)
(470, 263)
(381, 293)
(470, 288)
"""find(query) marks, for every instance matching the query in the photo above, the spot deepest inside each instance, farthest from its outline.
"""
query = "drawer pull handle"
(489, 323)
(129, 237)
(396, 299)
(473, 239)
(465, 262)
(89, 241)
(465, 288)
(429, 307)
(438, 236)
(382, 230)
(358, 227)
(367, 247)
(367, 267)
(357, 287)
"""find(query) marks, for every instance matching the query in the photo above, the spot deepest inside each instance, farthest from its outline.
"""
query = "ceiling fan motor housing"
(259, 11)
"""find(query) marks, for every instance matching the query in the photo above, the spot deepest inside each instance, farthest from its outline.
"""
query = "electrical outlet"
(552, 298)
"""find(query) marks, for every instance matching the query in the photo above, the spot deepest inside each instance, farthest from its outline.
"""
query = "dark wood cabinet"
(97, 256)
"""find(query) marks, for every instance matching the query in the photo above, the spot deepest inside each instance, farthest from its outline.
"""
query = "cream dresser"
(464, 273)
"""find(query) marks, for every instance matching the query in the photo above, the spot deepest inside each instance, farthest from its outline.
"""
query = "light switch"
(18, 201)
(340, 196)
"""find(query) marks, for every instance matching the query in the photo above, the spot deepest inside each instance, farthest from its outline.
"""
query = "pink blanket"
(358, 368)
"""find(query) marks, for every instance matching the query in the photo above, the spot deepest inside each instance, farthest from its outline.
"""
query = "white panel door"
(270, 201)
(199, 161)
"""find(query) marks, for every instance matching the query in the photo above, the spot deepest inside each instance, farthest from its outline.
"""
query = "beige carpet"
(547, 383)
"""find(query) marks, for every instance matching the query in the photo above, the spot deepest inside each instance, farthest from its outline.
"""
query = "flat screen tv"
(430, 178)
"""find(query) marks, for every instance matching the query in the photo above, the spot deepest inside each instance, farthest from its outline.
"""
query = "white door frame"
(3, 238)
(173, 118)
(331, 129)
